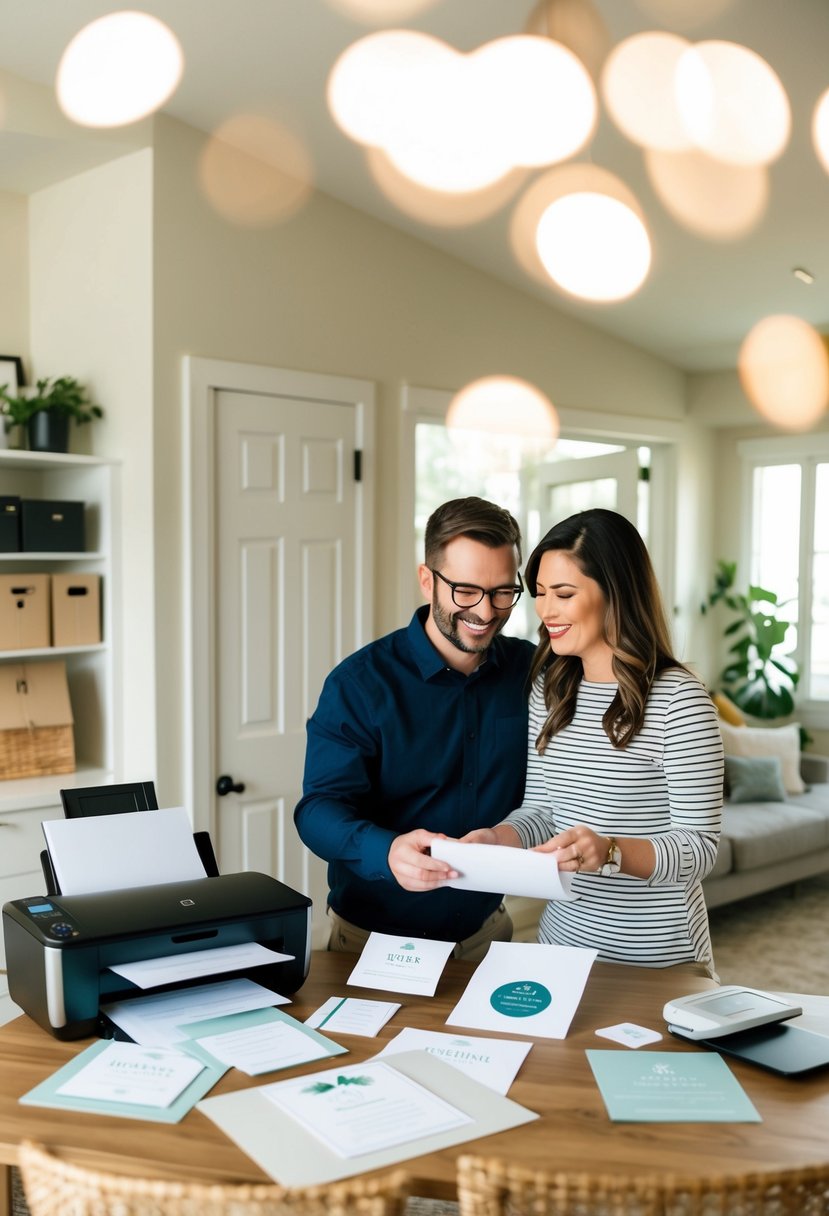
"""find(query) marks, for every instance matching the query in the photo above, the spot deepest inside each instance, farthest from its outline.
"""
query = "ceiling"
(273, 57)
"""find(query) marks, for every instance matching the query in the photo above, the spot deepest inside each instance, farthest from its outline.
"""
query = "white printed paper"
(493, 1062)
(172, 968)
(504, 871)
(364, 1108)
(815, 1015)
(264, 1048)
(401, 964)
(154, 1021)
(525, 988)
(114, 852)
(141, 1076)
(349, 1015)
(629, 1034)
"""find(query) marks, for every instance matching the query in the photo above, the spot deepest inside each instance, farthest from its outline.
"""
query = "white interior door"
(291, 584)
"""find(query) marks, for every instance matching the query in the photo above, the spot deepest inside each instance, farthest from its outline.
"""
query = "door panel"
(287, 571)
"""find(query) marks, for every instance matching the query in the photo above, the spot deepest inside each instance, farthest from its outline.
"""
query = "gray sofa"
(770, 844)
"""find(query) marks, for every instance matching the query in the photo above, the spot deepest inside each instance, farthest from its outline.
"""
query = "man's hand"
(411, 865)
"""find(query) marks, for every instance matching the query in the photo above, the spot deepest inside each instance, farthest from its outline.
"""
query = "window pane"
(453, 465)
(774, 563)
(819, 665)
(469, 462)
(776, 539)
(581, 496)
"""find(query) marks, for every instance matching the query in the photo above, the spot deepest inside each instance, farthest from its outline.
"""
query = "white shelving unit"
(92, 671)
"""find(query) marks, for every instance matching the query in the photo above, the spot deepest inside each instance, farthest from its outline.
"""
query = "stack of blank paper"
(112, 852)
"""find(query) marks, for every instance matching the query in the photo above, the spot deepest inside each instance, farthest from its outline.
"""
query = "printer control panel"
(51, 920)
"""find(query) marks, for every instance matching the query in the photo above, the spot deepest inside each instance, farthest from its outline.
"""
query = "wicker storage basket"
(36, 726)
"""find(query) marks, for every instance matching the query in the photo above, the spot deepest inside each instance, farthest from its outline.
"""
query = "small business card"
(629, 1034)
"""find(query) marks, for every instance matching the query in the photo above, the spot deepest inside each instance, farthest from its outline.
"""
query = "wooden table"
(573, 1133)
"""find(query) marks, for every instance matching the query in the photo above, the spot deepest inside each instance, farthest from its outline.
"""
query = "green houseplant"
(47, 412)
(756, 678)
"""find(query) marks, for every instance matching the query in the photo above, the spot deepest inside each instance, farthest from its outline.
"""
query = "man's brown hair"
(473, 517)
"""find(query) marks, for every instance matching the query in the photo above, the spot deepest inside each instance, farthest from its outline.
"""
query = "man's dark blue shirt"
(400, 741)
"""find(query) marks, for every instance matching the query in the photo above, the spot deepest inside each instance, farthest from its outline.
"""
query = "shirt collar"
(429, 661)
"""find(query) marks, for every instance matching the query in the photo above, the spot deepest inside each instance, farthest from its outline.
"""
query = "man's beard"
(447, 624)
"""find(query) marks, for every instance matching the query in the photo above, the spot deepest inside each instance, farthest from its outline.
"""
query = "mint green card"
(46, 1093)
(670, 1087)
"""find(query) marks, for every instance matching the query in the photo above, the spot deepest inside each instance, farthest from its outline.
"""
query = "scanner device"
(725, 1011)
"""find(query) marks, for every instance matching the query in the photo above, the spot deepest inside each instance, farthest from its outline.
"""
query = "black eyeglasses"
(467, 595)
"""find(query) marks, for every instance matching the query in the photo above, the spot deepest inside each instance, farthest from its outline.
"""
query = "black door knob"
(226, 785)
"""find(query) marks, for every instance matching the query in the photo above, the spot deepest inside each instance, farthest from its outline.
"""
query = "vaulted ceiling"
(274, 56)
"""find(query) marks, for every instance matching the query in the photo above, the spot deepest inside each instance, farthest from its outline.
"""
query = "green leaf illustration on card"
(324, 1087)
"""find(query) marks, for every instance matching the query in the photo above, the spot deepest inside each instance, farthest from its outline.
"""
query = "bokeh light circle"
(594, 246)
(784, 370)
(255, 172)
(732, 103)
(118, 69)
(639, 88)
(708, 197)
(820, 130)
(505, 405)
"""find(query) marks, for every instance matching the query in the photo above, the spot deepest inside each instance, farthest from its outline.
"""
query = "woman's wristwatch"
(613, 861)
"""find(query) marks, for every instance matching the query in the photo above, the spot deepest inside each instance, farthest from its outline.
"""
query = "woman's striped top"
(666, 785)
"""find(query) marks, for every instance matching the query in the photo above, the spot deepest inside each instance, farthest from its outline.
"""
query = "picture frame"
(11, 373)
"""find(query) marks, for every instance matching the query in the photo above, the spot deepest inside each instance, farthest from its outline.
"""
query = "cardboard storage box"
(9, 524)
(50, 526)
(76, 609)
(36, 724)
(24, 611)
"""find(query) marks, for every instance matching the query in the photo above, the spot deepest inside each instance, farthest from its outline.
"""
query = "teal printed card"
(670, 1087)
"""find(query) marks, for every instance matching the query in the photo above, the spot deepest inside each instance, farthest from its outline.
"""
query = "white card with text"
(401, 964)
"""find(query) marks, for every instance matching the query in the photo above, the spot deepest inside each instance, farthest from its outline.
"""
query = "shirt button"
(472, 734)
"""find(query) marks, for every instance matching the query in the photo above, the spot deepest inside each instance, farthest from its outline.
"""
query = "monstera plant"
(758, 677)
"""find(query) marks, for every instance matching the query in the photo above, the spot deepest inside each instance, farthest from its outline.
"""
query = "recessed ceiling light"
(805, 276)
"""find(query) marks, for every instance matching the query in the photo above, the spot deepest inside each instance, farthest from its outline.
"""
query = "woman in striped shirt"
(624, 769)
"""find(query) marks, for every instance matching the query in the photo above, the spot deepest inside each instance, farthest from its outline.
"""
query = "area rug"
(778, 941)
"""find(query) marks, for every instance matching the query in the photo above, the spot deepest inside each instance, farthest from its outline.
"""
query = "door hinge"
(358, 465)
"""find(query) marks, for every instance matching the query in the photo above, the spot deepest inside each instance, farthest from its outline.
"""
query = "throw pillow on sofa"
(780, 741)
(755, 779)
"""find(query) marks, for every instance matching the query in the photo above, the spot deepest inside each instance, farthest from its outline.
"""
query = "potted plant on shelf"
(46, 412)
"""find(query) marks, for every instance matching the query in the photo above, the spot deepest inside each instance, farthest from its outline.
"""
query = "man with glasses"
(423, 733)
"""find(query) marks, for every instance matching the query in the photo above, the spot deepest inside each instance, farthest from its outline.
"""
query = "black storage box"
(9, 524)
(48, 526)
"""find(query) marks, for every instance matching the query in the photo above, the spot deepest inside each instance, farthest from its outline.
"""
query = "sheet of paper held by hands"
(505, 871)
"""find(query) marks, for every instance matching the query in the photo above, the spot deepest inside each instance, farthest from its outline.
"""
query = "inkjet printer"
(59, 948)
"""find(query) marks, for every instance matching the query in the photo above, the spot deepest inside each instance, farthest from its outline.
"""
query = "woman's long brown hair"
(608, 549)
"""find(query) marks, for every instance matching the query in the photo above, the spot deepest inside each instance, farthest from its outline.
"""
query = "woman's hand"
(579, 848)
(502, 834)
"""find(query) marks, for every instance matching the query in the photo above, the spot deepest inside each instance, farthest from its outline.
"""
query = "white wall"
(14, 266)
(91, 310)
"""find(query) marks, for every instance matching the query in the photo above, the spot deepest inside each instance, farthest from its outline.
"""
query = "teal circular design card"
(520, 1000)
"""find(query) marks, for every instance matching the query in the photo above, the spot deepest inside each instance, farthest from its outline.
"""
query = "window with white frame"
(787, 543)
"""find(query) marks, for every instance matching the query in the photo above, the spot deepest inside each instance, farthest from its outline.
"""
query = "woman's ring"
(580, 860)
